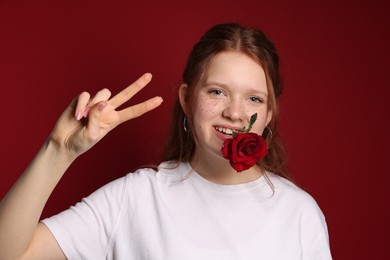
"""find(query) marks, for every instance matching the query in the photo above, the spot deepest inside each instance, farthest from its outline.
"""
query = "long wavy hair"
(252, 42)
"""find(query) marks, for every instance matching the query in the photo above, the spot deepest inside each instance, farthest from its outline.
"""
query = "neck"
(218, 170)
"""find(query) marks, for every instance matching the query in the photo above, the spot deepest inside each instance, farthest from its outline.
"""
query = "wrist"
(58, 152)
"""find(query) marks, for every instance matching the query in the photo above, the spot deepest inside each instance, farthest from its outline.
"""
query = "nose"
(234, 110)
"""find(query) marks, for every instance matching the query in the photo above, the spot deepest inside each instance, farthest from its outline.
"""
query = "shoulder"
(172, 168)
(302, 208)
(289, 190)
(296, 199)
(164, 174)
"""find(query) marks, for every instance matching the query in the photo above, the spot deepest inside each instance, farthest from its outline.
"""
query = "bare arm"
(80, 127)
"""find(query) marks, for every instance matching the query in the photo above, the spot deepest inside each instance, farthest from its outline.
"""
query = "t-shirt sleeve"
(315, 238)
(84, 230)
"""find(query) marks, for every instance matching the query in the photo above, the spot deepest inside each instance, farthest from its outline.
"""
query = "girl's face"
(232, 89)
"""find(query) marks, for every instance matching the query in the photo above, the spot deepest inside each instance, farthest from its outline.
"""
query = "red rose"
(244, 150)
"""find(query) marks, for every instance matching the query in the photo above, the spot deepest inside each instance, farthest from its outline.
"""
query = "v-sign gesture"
(87, 120)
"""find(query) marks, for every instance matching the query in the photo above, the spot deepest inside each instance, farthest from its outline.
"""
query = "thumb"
(93, 126)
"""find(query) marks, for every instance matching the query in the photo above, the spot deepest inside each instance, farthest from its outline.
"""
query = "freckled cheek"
(206, 107)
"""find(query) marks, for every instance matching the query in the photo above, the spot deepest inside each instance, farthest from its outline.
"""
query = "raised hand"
(87, 120)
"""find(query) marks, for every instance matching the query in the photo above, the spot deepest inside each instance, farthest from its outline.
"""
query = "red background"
(334, 57)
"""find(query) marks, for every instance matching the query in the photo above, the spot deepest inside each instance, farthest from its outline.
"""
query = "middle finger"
(130, 91)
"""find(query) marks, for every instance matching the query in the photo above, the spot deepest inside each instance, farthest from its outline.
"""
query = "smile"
(224, 130)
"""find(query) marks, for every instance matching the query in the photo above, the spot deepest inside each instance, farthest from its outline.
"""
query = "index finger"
(130, 91)
(139, 109)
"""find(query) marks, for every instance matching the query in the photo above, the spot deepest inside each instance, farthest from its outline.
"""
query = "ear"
(269, 117)
(183, 92)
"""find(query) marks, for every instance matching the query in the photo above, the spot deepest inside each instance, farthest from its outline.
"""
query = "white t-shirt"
(175, 214)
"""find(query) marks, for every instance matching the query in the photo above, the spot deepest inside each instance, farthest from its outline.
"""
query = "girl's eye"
(256, 99)
(216, 92)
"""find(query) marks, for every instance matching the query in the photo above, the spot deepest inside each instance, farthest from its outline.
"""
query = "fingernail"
(78, 115)
(86, 112)
(149, 75)
(102, 105)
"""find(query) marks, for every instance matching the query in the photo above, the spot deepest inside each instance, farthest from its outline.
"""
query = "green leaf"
(253, 120)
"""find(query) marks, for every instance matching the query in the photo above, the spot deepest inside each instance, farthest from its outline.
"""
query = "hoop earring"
(185, 124)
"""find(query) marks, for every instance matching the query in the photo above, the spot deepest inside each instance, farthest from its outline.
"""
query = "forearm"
(21, 208)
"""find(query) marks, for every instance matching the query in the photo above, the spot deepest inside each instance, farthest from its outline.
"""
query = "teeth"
(223, 130)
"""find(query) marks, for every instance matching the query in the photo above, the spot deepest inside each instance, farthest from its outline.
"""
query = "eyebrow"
(208, 83)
